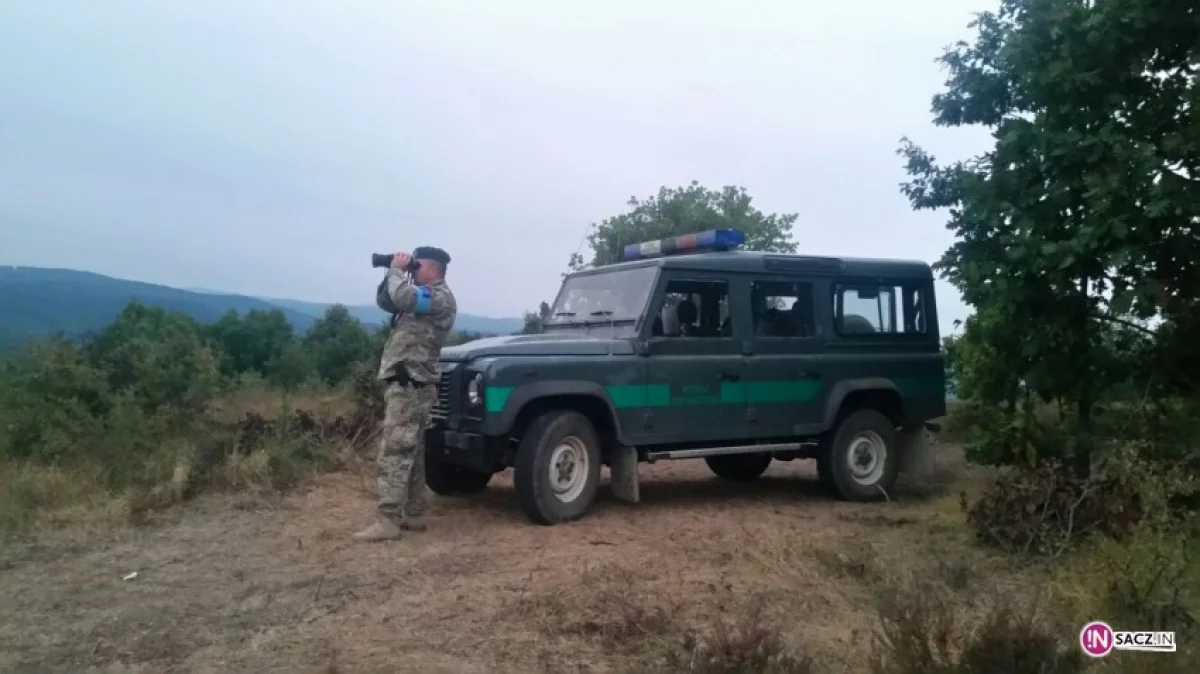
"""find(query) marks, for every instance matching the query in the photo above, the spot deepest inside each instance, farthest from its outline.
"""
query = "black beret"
(431, 253)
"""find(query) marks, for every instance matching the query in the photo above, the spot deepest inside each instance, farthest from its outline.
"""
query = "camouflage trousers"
(402, 451)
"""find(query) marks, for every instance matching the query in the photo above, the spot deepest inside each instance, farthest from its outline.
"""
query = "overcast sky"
(268, 148)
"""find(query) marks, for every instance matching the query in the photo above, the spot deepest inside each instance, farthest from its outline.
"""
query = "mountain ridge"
(40, 301)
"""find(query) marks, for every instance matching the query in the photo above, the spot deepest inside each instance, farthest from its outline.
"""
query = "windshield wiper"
(563, 313)
(602, 312)
(590, 323)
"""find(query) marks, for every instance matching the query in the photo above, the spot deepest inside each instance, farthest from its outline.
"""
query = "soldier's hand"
(401, 260)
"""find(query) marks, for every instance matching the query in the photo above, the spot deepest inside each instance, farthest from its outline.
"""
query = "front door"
(694, 369)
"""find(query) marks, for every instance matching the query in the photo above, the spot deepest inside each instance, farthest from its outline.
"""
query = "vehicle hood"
(549, 344)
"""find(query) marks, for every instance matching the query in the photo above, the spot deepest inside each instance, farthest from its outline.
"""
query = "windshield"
(612, 296)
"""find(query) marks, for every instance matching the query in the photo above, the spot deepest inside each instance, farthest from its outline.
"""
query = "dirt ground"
(238, 583)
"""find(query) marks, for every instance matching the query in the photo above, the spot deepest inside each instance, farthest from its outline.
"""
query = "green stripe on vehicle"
(730, 393)
(802, 391)
(495, 397)
(633, 396)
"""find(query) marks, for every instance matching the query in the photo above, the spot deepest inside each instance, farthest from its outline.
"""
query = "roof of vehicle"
(777, 263)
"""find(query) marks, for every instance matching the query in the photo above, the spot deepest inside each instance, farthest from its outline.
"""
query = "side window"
(694, 308)
(879, 309)
(783, 309)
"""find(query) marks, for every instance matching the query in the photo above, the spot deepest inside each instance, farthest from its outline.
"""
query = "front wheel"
(738, 467)
(861, 461)
(557, 471)
(446, 479)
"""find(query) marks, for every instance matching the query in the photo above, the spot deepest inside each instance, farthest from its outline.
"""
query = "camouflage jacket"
(422, 317)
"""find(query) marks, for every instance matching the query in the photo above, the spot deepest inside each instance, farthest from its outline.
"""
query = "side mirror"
(641, 347)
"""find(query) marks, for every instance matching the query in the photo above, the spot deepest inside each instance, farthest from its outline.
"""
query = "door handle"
(730, 376)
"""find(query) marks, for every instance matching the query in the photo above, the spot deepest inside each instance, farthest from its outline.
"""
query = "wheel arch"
(878, 393)
(530, 401)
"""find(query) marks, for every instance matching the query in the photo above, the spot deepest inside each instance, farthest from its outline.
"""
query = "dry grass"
(703, 577)
(76, 498)
(49, 497)
(270, 403)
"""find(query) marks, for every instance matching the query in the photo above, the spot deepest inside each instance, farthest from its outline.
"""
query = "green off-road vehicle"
(689, 349)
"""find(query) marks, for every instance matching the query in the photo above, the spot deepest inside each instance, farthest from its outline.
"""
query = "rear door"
(786, 384)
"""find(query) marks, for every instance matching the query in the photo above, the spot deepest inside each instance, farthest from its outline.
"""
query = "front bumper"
(468, 450)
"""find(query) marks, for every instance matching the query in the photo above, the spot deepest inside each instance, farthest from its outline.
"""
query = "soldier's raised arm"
(383, 297)
(398, 294)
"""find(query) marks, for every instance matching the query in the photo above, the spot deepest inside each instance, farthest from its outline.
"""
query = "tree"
(290, 367)
(683, 210)
(338, 342)
(1082, 219)
(158, 357)
(462, 337)
(674, 212)
(535, 319)
(249, 343)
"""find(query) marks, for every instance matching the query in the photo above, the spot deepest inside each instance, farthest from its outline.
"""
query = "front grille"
(441, 402)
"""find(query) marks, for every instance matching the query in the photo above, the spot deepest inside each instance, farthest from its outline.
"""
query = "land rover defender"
(690, 348)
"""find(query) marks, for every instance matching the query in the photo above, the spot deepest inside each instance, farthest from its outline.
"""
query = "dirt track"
(232, 583)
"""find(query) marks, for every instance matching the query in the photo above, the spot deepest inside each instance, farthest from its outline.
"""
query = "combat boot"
(382, 530)
(413, 524)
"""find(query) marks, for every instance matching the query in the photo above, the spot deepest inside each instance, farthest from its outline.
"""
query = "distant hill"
(373, 315)
(36, 301)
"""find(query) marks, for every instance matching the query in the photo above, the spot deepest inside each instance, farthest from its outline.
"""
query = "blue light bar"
(713, 239)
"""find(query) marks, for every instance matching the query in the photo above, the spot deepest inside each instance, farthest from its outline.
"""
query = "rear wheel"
(861, 461)
(738, 467)
(557, 471)
(446, 479)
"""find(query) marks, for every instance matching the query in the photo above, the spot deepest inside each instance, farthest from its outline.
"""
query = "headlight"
(475, 390)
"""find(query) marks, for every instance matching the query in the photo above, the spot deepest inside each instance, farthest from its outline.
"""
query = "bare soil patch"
(232, 583)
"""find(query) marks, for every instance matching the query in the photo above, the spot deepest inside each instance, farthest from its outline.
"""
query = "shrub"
(159, 357)
(338, 342)
(51, 399)
(922, 631)
(1046, 509)
(747, 645)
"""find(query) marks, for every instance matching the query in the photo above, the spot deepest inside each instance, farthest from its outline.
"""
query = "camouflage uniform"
(422, 319)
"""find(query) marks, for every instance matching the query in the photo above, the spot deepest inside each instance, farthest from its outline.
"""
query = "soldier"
(423, 311)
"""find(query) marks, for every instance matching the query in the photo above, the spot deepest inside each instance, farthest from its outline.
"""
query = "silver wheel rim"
(568, 468)
(866, 457)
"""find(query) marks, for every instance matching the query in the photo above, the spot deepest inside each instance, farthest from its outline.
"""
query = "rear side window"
(875, 309)
(783, 309)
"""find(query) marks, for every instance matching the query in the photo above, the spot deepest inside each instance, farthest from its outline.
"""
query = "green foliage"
(534, 320)
(51, 400)
(337, 341)
(1080, 223)
(159, 357)
(684, 210)
(675, 211)
(119, 401)
(250, 342)
(462, 337)
(291, 366)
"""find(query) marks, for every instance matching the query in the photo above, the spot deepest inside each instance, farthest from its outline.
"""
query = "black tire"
(738, 467)
(446, 479)
(532, 470)
(862, 432)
